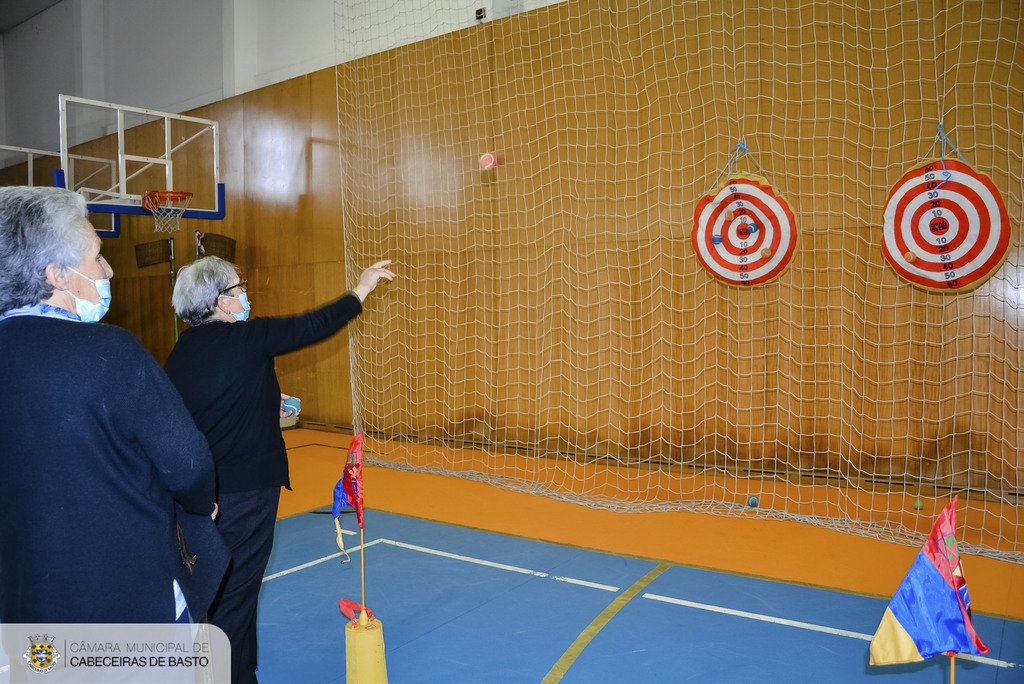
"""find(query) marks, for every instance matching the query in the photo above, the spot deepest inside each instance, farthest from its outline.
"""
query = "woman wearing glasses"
(223, 366)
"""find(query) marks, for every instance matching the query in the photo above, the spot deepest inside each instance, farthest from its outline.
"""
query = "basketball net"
(167, 207)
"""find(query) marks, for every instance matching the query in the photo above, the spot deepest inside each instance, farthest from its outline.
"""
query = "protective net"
(555, 332)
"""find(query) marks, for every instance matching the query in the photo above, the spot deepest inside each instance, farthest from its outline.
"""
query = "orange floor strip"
(781, 550)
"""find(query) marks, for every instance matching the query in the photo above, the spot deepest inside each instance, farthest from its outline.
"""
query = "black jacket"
(225, 373)
(96, 447)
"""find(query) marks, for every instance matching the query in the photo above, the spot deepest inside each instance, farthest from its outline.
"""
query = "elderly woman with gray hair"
(224, 368)
(98, 448)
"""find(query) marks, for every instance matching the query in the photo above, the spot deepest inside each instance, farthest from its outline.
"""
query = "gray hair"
(198, 287)
(38, 227)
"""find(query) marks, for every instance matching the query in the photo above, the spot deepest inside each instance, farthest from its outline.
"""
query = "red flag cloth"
(942, 550)
(352, 481)
(349, 608)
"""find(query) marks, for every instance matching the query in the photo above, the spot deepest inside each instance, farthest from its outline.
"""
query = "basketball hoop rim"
(152, 199)
(170, 194)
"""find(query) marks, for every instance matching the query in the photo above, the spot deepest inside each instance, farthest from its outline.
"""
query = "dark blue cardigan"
(95, 448)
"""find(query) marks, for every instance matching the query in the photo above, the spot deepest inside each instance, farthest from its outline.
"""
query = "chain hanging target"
(945, 227)
(744, 233)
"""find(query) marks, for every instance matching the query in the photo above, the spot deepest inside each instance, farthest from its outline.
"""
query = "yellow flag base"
(364, 652)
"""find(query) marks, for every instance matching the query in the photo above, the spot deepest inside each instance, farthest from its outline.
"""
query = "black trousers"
(246, 522)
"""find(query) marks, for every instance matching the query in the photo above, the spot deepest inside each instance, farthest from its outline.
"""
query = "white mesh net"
(167, 208)
(553, 330)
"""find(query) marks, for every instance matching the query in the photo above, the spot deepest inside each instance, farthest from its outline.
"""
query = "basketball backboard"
(113, 154)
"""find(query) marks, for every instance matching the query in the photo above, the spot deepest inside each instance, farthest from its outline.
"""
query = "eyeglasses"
(242, 285)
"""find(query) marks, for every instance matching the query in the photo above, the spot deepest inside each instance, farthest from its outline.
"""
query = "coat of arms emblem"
(41, 656)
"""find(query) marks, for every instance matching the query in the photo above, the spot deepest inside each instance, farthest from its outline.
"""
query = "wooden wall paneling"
(16, 174)
(276, 137)
(289, 290)
(146, 140)
(282, 246)
(230, 115)
(193, 162)
(328, 384)
(142, 304)
(280, 290)
(42, 172)
(326, 228)
(329, 379)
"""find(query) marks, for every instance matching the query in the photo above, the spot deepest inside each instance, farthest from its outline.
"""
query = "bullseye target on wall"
(945, 228)
(744, 233)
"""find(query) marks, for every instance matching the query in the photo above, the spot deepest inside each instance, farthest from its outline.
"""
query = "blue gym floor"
(464, 606)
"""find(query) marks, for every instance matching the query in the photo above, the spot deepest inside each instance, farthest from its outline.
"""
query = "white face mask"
(244, 313)
(90, 311)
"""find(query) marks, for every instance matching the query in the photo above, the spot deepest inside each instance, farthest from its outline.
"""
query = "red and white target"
(945, 228)
(745, 233)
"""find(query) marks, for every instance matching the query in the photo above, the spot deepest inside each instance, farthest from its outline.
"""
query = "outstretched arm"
(281, 335)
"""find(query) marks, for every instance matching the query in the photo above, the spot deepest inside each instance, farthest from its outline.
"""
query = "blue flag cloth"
(341, 498)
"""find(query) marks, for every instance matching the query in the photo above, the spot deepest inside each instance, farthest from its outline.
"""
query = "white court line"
(5, 668)
(582, 583)
(501, 566)
(445, 554)
(318, 561)
(803, 625)
(758, 616)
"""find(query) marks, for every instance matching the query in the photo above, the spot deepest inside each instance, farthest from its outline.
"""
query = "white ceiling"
(14, 12)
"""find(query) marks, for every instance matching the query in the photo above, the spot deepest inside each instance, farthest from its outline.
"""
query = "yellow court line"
(573, 652)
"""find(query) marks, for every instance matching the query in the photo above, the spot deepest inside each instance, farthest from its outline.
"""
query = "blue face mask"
(244, 313)
(90, 311)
